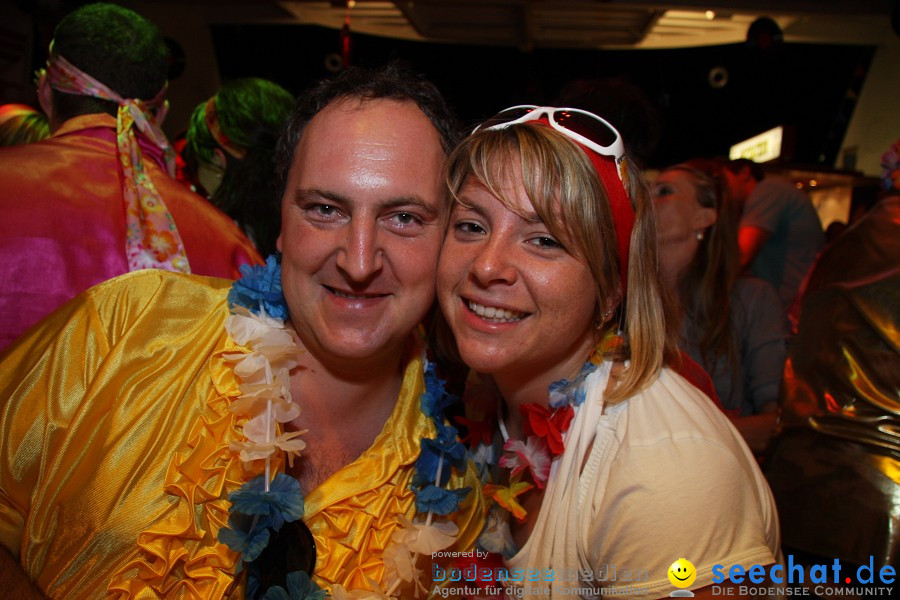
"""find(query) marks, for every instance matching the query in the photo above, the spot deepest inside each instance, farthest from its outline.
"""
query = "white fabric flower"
(256, 430)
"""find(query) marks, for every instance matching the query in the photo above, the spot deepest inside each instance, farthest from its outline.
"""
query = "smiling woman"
(490, 245)
(594, 452)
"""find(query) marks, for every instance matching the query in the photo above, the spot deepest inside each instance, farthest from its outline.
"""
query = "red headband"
(619, 203)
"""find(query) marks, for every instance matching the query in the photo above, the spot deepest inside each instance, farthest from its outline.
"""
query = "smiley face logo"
(682, 573)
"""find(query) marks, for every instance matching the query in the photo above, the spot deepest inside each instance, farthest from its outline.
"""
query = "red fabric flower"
(478, 432)
(540, 421)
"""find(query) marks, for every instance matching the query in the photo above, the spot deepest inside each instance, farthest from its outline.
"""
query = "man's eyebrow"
(307, 194)
(410, 202)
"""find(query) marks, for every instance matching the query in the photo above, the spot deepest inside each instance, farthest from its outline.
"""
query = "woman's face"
(519, 304)
(679, 218)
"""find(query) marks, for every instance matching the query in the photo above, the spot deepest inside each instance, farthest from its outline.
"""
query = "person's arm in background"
(751, 239)
(760, 216)
(757, 429)
(763, 331)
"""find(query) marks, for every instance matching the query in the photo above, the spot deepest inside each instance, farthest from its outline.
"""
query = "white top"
(665, 475)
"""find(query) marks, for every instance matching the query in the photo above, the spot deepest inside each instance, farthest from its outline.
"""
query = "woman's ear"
(219, 159)
(703, 218)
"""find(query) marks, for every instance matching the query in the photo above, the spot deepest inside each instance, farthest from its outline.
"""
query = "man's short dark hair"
(737, 165)
(395, 81)
(115, 46)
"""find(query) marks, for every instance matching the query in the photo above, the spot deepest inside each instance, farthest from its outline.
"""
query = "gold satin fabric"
(354, 513)
(114, 459)
(834, 463)
(843, 375)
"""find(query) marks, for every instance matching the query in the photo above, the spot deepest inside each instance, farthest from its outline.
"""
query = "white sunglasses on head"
(584, 127)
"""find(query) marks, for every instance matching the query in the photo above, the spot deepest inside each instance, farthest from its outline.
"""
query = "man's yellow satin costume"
(115, 464)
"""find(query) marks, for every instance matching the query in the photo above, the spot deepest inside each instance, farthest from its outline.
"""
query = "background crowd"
(796, 338)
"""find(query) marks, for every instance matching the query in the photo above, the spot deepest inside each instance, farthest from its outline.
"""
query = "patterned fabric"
(63, 227)
(152, 240)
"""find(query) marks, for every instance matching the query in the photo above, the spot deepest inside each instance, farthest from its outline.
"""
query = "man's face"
(362, 224)
(739, 184)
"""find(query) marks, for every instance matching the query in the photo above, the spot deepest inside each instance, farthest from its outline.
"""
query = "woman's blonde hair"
(569, 197)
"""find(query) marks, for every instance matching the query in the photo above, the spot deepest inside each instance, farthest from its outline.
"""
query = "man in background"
(779, 232)
(96, 199)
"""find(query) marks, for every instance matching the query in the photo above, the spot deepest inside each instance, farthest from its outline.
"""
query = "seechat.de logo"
(792, 573)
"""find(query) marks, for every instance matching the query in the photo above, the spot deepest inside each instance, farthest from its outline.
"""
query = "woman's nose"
(493, 262)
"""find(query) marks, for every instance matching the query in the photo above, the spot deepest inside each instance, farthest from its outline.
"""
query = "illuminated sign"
(760, 148)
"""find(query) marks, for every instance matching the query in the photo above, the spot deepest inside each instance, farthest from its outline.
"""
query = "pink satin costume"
(62, 221)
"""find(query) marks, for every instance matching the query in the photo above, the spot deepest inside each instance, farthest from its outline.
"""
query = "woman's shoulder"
(672, 410)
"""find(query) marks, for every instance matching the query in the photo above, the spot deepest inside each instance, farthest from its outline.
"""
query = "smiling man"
(126, 420)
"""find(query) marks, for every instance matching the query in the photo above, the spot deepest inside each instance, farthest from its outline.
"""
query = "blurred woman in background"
(732, 325)
(229, 154)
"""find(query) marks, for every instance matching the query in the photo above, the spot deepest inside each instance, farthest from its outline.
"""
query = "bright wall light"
(760, 148)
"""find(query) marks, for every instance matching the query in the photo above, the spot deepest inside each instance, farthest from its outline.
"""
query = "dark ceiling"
(807, 87)
(489, 54)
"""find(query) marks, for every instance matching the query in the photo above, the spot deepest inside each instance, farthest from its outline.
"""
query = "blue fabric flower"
(299, 587)
(252, 588)
(447, 440)
(444, 447)
(439, 500)
(283, 502)
(254, 512)
(247, 538)
(426, 469)
(572, 391)
(260, 286)
(435, 399)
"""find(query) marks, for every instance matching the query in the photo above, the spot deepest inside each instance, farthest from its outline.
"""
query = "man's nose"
(362, 255)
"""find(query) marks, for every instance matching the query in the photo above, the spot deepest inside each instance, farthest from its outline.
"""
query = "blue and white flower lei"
(263, 505)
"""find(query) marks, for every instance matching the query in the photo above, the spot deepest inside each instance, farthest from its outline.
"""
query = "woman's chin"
(489, 364)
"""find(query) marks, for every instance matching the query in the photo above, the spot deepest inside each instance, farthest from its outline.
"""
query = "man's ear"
(45, 99)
